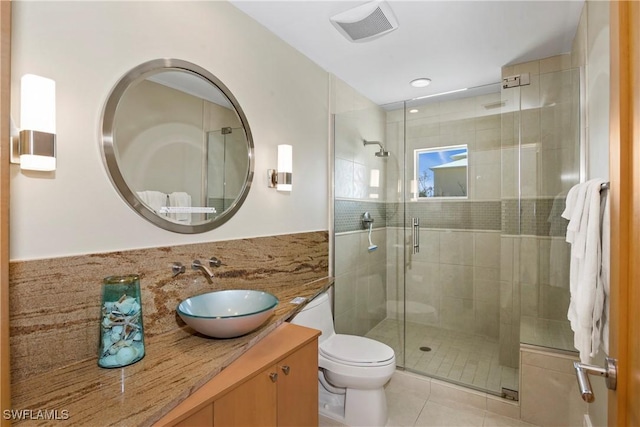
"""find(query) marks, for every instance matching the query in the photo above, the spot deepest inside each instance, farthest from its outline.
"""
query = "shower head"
(380, 153)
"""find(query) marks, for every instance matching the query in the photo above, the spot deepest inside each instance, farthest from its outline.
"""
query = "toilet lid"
(353, 349)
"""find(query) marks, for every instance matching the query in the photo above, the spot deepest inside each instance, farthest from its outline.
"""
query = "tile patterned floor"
(417, 401)
(458, 357)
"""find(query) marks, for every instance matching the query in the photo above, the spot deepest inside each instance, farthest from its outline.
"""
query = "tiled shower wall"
(452, 283)
(360, 282)
(360, 274)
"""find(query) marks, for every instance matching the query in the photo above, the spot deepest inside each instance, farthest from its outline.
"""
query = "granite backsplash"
(55, 303)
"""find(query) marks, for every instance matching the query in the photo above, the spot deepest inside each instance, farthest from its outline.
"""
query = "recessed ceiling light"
(421, 82)
(413, 110)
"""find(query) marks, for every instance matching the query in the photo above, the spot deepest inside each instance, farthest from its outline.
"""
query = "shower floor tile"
(454, 356)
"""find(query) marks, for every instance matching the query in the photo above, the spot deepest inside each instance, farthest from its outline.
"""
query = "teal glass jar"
(121, 330)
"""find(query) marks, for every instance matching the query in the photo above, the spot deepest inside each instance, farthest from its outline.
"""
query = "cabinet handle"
(273, 376)
(286, 369)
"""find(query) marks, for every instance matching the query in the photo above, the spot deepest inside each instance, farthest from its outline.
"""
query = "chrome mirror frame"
(132, 77)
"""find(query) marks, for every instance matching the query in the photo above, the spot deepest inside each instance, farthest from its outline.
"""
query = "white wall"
(87, 46)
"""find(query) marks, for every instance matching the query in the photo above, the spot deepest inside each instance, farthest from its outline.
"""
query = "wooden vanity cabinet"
(203, 417)
(275, 383)
(298, 388)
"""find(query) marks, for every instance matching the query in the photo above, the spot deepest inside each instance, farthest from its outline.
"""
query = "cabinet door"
(202, 418)
(298, 388)
(251, 404)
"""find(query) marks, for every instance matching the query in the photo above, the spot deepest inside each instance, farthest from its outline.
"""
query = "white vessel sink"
(227, 314)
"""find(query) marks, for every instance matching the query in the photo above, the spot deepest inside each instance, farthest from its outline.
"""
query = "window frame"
(415, 196)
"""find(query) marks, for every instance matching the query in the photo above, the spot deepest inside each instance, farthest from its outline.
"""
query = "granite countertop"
(176, 364)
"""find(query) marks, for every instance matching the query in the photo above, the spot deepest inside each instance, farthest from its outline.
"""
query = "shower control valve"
(367, 220)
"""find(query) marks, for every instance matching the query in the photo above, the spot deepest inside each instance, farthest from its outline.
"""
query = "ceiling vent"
(365, 22)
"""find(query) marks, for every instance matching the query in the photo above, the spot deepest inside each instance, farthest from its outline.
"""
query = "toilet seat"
(353, 350)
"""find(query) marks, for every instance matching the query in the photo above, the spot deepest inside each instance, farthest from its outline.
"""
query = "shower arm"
(365, 143)
(381, 153)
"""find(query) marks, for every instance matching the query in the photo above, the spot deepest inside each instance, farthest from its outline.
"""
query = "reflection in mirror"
(227, 166)
(181, 151)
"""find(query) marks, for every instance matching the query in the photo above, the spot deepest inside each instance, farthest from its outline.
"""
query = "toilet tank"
(317, 315)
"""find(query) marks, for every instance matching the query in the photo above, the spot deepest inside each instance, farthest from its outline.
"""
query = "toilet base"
(331, 405)
(365, 407)
(355, 408)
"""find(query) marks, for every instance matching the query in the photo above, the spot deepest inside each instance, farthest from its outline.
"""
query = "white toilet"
(353, 369)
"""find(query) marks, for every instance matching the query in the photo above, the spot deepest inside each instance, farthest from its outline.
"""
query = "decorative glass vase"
(121, 331)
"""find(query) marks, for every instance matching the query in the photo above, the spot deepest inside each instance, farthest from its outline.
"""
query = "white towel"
(180, 199)
(154, 199)
(586, 306)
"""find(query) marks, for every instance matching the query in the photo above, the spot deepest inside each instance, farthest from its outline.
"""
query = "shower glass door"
(453, 218)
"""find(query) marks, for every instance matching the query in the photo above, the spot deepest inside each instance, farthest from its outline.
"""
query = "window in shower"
(440, 172)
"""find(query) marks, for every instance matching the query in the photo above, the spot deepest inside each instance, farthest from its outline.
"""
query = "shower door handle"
(416, 235)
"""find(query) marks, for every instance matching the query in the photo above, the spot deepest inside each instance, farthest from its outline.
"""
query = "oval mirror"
(177, 146)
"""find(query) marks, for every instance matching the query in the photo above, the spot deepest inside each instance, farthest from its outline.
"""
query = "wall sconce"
(35, 147)
(280, 178)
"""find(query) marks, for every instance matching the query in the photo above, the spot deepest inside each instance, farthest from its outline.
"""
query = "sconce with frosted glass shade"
(35, 147)
(281, 178)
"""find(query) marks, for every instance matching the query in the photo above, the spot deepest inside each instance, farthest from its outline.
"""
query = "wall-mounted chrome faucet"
(197, 265)
(178, 268)
(213, 262)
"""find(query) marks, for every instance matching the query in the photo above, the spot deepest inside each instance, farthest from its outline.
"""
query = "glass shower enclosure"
(226, 165)
(470, 258)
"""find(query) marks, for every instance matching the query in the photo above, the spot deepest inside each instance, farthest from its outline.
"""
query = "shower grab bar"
(609, 372)
(416, 235)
